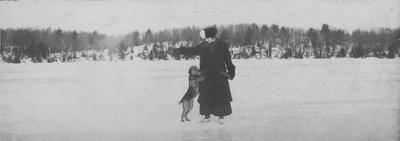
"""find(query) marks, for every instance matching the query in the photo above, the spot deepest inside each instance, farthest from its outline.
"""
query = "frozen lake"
(286, 100)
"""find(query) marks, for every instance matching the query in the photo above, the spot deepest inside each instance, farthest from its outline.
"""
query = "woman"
(216, 67)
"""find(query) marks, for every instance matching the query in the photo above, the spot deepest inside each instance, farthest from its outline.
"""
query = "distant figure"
(16, 55)
(216, 67)
(101, 57)
(94, 57)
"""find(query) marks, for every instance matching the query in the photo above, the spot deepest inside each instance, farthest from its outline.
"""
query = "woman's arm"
(192, 51)
(228, 62)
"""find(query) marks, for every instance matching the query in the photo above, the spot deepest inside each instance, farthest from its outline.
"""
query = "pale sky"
(120, 17)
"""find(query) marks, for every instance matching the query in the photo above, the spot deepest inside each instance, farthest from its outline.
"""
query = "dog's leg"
(182, 116)
(190, 105)
(185, 107)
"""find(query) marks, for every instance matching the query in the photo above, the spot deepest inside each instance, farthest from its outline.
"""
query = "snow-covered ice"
(286, 100)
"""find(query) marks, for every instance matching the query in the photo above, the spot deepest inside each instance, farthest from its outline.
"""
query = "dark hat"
(210, 32)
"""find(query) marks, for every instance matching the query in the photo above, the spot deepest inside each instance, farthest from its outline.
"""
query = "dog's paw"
(187, 119)
(182, 120)
(228, 77)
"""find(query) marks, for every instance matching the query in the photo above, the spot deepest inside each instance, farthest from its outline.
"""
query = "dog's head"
(195, 72)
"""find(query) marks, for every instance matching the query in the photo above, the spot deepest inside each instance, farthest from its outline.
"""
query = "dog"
(187, 100)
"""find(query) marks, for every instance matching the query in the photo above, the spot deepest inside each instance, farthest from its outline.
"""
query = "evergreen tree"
(248, 36)
(224, 35)
(148, 37)
(59, 41)
(264, 33)
(325, 33)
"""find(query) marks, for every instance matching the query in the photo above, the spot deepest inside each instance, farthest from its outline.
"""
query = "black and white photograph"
(199, 70)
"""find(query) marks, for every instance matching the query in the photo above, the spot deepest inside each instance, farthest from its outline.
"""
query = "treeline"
(324, 42)
(40, 42)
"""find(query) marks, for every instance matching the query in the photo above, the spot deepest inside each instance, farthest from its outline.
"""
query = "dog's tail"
(180, 102)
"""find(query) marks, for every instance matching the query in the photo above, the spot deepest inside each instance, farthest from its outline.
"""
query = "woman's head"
(210, 34)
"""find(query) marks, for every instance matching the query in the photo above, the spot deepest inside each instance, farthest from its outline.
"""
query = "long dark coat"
(215, 64)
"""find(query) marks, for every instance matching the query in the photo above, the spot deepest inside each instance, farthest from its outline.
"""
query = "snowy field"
(285, 100)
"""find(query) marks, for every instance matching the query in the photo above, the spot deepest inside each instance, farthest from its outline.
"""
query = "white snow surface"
(285, 100)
